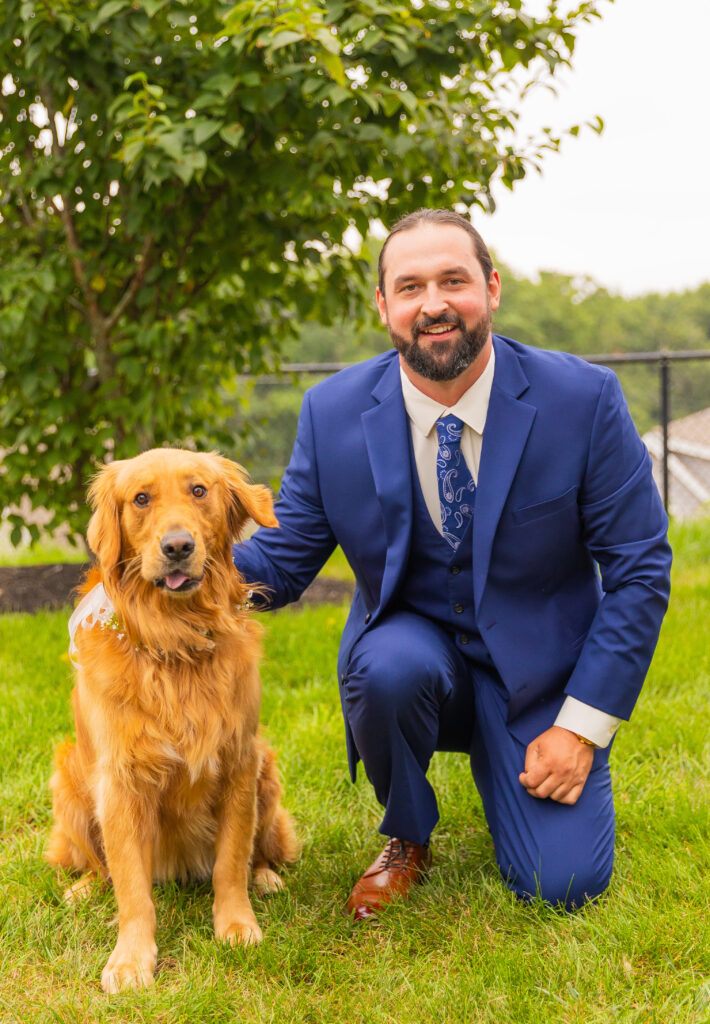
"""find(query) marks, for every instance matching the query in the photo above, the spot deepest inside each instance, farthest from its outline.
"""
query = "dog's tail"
(276, 841)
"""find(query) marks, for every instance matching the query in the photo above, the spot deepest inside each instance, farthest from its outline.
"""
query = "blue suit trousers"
(409, 692)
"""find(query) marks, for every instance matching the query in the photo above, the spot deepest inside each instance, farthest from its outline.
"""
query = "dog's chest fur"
(165, 721)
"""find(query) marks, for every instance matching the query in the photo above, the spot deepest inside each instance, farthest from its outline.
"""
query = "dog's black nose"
(177, 544)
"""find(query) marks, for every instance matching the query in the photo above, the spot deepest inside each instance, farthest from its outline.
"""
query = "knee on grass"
(567, 890)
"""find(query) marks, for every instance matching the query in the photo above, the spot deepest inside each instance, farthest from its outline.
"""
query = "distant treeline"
(557, 312)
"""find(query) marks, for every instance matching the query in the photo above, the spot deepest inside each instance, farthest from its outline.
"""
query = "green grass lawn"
(462, 950)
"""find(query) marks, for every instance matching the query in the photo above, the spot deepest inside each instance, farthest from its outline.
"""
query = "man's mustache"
(430, 321)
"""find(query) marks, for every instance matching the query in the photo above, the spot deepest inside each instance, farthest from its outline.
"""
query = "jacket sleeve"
(286, 559)
(624, 527)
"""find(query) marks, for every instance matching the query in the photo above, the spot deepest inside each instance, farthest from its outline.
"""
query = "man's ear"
(245, 500)
(104, 530)
(381, 305)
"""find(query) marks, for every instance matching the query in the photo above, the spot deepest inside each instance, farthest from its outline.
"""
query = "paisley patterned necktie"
(456, 487)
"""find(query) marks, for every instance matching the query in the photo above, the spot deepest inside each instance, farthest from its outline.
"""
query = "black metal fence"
(658, 386)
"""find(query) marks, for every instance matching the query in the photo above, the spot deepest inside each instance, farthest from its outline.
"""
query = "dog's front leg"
(128, 845)
(234, 919)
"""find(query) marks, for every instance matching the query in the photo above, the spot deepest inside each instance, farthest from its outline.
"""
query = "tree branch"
(73, 301)
(95, 316)
(134, 284)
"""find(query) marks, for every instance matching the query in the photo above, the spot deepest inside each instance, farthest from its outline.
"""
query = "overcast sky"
(631, 207)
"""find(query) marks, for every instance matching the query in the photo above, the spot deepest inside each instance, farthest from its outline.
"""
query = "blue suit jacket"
(571, 562)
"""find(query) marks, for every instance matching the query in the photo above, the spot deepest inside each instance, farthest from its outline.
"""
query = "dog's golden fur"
(168, 778)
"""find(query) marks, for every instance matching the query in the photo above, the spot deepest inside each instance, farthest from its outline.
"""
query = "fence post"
(665, 369)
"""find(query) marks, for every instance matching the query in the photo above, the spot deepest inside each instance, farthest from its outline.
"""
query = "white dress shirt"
(472, 408)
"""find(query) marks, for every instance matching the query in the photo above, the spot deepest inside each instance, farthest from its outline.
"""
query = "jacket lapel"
(505, 434)
(387, 438)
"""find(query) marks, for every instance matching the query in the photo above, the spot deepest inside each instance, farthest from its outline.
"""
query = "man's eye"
(141, 499)
(199, 491)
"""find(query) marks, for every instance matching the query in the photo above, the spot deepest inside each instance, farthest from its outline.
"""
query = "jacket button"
(455, 570)
(367, 618)
(464, 638)
(458, 608)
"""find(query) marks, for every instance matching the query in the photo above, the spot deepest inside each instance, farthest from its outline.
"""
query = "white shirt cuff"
(596, 726)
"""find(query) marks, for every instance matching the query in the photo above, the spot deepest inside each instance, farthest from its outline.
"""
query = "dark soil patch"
(29, 588)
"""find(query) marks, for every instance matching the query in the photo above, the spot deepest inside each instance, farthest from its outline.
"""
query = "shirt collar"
(472, 407)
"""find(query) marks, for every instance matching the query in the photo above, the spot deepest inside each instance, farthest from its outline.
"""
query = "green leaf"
(223, 84)
(334, 66)
(107, 11)
(327, 40)
(190, 165)
(151, 7)
(285, 38)
(131, 151)
(172, 142)
(337, 94)
(408, 100)
(202, 129)
(232, 134)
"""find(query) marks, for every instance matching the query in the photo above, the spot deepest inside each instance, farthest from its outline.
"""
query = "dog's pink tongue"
(175, 580)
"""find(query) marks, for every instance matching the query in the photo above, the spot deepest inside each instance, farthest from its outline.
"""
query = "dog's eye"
(141, 499)
(199, 491)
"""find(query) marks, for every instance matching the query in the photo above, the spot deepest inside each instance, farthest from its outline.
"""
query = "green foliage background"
(176, 177)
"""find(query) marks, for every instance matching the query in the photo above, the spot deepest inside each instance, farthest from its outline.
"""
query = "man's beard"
(453, 359)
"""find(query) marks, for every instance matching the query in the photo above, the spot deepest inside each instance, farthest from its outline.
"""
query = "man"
(509, 545)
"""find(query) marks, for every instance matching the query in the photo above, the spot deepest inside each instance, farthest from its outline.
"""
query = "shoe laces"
(397, 855)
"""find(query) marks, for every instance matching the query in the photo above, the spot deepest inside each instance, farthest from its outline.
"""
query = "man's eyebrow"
(448, 272)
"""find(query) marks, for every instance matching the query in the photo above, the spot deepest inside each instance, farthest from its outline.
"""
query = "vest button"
(464, 638)
(367, 618)
(455, 570)
(458, 608)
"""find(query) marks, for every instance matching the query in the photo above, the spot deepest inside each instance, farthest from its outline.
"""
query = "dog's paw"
(265, 880)
(81, 890)
(129, 968)
(240, 932)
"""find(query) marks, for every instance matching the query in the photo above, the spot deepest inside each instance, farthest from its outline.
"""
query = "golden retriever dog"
(168, 778)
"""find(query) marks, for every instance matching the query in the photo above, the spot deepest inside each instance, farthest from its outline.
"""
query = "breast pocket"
(542, 509)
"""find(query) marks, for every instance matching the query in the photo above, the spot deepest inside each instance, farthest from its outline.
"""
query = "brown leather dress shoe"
(400, 866)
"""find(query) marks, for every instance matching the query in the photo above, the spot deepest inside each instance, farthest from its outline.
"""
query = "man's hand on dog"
(556, 766)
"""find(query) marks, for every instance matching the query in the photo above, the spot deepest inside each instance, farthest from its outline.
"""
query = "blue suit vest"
(438, 581)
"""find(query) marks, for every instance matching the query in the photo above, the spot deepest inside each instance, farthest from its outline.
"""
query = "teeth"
(438, 330)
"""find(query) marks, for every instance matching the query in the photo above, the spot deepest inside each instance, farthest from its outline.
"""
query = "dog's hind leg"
(75, 841)
(275, 841)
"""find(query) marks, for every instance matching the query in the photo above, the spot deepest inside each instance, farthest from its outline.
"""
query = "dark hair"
(413, 220)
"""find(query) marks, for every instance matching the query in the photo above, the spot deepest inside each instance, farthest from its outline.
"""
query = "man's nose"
(434, 302)
(177, 544)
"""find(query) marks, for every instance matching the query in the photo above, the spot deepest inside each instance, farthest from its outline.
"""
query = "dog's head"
(168, 513)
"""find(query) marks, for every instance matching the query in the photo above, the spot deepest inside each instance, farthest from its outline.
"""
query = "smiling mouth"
(440, 330)
(178, 582)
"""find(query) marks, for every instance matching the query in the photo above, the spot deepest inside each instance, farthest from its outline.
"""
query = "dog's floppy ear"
(246, 500)
(104, 531)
